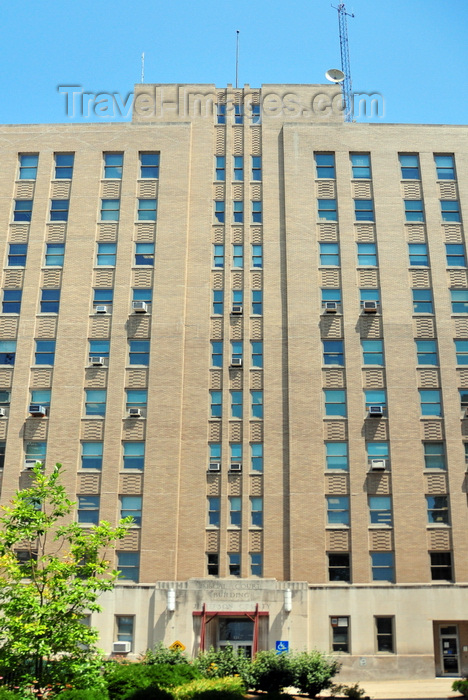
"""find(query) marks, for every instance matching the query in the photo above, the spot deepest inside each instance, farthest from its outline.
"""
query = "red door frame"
(207, 616)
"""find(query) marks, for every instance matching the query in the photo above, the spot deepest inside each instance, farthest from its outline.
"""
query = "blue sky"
(414, 53)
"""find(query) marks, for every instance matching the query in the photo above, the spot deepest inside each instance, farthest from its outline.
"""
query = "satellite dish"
(334, 75)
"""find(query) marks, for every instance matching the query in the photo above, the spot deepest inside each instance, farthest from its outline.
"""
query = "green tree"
(52, 572)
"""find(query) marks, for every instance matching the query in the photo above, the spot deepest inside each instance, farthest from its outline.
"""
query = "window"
(441, 566)
(335, 402)
(257, 353)
(218, 300)
(221, 114)
(216, 353)
(257, 256)
(437, 509)
(2, 453)
(256, 452)
(215, 452)
(234, 564)
(414, 210)
(426, 351)
(113, 166)
(257, 301)
(257, 215)
(364, 210)
(430, 402)
(238, 256)
(218, 257)
(409, 167)
(28, 166)
(17, 254)
(459, 300)
(338, 510)
(360, 164)
(91, 455)
(106, 253)
(417, 254)
(325, 164)
(238, 212)
(238, 114)
(23, 210)
(128, 564)
(54, 254)
(213, 511)
(64, 166)
(369, 295)
(372, 352)
(237, 296)
(367, 254)
(445, 167)
(434, 455)
(339, 568)
(50, 301)
(384, 634)
(238, 168)
(382, 566)
(103, 297)
(147, 209)
(220, 168)
(235, 511)
(124, 624)
(219, 212)
(450, 211)
(256, 116)
(455, 255)
(41, 396)
(329, 254)
(337, 455)
(59, 209)
(7, 352)
(139, 352)
(256, 168)
(95, 402)
(133, 455)
(236, 404)
(256, 505)
(145, 295)
(88, 510)
(12, 301)
(333, 352)
(216, 402)
(380, 510)
(461, 348)
(236, 452)
(375, 397)
(212, 564)
(256, 564)
(110, 209)
(377, 450)
(340, 634)
(257, 404)
(131, 505)
(45, 352)
(144, 254)
(149, 163)
(36, 450)
(327, 210)
(236, 349)
(136, 398)
(422, 301)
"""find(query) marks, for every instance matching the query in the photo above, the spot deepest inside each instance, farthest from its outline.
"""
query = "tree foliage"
(52, 572)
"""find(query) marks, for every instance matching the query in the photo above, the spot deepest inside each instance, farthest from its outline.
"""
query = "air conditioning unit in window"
(139, 307)
(29, 464)
(2, 413)
(214, 467)
(97, 361)
(121, 647)
(236, 309)
(370, 307)
(331, 307)
(465, 412)
(134, 413)
(236, 361)
(236, 467)
(378, 465)
(100, 309)
(37, 410)
(376, 411)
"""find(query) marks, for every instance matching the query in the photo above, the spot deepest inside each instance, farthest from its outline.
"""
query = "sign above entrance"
(282, 647)
(177, 646)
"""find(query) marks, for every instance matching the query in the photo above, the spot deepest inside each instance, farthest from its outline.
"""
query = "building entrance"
(237, 633)
(449, 650)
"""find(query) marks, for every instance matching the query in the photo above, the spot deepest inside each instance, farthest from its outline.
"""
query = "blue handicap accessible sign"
(281, 647)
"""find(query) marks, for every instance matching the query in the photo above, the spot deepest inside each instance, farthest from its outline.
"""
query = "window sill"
(438, 526)
(337, 526)
(380, 526)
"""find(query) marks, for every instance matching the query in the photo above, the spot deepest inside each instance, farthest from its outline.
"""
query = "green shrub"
(224, 662)
(313, 671)
(81, 694)
(211, 689)
(461, 686)
(151, 693)
(272, 671)
(163, 655)
(124, 679)
(8, 694)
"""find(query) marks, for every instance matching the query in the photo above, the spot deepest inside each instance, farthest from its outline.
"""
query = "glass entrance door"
(449, 650)
(236, 632)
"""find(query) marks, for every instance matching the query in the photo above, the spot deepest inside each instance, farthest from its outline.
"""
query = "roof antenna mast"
(345, 66)
(142, 67)
(237, 58)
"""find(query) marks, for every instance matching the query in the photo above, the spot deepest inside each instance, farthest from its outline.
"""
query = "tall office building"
(247, 327)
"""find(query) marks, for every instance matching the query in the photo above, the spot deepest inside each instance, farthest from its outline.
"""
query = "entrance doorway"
(238, 633)
(449, 650)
